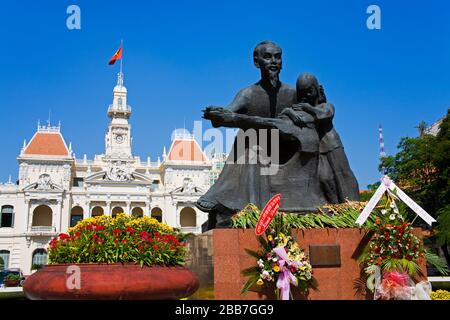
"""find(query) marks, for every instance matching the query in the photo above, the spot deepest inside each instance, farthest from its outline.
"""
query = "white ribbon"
(388, 185)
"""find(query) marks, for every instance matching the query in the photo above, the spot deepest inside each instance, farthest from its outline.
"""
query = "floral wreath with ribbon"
(280, 261)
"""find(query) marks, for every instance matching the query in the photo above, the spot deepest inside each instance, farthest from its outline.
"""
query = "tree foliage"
(422, 168)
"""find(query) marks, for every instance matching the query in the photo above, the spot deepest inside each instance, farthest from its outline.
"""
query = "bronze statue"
(271, 104)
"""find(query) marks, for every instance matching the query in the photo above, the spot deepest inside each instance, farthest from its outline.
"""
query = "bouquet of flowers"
(391, 256)
(281, 261)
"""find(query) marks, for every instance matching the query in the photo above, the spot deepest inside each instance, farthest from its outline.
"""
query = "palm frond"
(250, 271)
(250, 282)
(437, 262)
(253, 253)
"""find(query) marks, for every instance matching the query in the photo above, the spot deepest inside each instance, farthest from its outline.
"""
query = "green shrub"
(13, 277)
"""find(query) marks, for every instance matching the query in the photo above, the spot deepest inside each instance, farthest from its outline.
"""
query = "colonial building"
(55, 190)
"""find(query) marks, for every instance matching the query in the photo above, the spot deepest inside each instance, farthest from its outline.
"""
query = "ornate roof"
(185, 149)
(47, 141)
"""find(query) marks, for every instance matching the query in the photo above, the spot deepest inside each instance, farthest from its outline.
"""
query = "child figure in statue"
(336, 178)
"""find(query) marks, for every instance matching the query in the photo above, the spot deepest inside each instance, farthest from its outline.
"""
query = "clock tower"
(118, 136)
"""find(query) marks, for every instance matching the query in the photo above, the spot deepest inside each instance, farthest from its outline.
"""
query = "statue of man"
(269, 96)
(240, 184)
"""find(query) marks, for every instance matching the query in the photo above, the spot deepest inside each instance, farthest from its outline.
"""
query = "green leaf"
(250, 282)
(437, 262)
(253, 253)
(251, 271)
(263, 242)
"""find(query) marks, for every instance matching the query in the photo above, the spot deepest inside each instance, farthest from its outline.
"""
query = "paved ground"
(11, 293)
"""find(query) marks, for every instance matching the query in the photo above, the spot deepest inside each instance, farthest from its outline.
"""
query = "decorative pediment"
(119, 171)
(44, 183)
(188, 188)
(105, 176)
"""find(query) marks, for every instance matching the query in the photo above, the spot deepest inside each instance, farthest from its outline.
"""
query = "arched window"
(39, 259)
(97, 211)
(76, 214)
(7, 217)
(137, 212)
(42, 216)
(188, 217)
(116, 211)
(157, 214)
(4, 255)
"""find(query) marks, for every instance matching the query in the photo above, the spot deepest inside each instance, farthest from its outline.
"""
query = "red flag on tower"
(116, 56)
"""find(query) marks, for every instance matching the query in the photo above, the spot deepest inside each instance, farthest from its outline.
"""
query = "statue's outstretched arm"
(224, 118)
(321, 112)
(240, 102)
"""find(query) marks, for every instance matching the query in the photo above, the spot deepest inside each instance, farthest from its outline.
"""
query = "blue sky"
(180, 56)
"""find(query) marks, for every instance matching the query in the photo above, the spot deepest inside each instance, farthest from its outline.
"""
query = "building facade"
(55, 190)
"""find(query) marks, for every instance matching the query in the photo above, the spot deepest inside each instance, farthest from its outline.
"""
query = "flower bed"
(123, 238)
(440, 295)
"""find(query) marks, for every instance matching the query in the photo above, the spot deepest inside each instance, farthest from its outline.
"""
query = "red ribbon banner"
(267, 214)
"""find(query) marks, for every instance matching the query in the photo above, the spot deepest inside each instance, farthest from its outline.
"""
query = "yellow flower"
(276, 268)
(283, 238)
(260, 282)
(269, 237)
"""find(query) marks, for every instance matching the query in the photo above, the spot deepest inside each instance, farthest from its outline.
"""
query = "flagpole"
(121, 45)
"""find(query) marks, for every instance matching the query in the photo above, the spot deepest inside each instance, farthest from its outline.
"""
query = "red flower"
(155, 247)
(130, 230)
(64, 236)
(99, 228)
(146, 236)
(117, 232)
(54, 243)
(116, 241)
(124, 241)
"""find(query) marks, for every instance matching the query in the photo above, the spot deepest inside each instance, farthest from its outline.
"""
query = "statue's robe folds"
(295, 176)
(336, 177)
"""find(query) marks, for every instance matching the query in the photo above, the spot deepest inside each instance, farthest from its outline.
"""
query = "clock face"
(120, 138)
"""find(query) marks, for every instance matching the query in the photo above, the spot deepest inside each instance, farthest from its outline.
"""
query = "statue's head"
(267, 58)
(308, 89)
